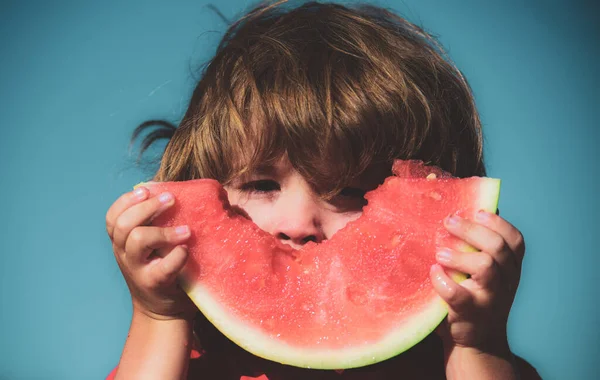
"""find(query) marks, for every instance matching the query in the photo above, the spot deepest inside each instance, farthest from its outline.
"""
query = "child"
(299, 114)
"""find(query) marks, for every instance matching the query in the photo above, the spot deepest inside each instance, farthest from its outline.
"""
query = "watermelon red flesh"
(416, 169)
(359, 298)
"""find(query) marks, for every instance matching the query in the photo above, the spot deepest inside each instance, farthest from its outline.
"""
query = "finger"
(482, 267)
(483, 239)
(442, 330)
(164, 271)
(512, 236)
(138, 215)
(457, 297)
(145, 239)
(121, 204)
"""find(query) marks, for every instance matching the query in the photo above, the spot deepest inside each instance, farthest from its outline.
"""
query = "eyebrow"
(266, 169)
(277, 169)
(262, 170)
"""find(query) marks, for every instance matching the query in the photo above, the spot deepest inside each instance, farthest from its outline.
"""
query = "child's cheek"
(260, 211)
(335, 221)
(262, 216)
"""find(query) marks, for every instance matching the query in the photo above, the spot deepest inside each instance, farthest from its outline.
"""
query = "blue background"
(76, 78)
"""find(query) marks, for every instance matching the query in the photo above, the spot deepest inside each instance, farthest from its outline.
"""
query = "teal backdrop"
(77, 76)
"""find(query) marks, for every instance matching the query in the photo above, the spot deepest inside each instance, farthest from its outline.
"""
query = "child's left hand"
(479, 306)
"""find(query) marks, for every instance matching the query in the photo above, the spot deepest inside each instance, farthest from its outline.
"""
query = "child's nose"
(299, 220)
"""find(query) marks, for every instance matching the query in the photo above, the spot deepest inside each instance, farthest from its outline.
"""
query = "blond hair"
(334, 88)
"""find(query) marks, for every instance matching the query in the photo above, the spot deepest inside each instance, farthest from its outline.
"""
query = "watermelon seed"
(435, 195)
(431, 176)
(396, 241)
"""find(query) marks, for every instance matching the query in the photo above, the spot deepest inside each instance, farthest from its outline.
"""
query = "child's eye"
(261, 186)
(349, 199)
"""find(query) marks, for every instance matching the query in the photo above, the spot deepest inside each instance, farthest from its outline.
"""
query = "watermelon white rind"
(259, 344)
(421, 319)
(488, 201)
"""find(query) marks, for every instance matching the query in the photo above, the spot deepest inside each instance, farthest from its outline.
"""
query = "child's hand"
(479, 306)
(149, 257)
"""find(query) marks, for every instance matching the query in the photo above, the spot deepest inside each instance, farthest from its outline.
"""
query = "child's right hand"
(150, 257)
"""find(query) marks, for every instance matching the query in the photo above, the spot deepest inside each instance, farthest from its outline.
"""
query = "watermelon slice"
(357, 299)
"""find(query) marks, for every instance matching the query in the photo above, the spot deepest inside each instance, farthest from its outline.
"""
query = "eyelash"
(266, 186)
(260, 186)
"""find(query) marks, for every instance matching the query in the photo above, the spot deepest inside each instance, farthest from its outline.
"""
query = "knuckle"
(519, 238)
(116, 252)
(108, 220)
(497, 244)
(167, 234)
(121, 225)
(452, 295)
(113, 212)
(468, 228)
(471, 230)
(520, 241)
(486, 300)
(458, 299)
(137, 237)
(486, 263)
(110, 223)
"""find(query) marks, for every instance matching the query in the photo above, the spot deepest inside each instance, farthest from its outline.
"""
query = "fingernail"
(165, 197)
(444, 255)
(436, 268)
(482, 215)
(139, 193)
(453, 220)
(182, 230)
(438, 271)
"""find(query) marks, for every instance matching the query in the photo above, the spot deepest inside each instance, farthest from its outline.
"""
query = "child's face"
(281, 202)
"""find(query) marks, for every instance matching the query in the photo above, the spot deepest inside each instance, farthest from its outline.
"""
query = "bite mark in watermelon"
(357, 299)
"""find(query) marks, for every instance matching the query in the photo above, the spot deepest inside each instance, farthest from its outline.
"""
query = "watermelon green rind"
(487, 202)
(412, 331)
(259, 344)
